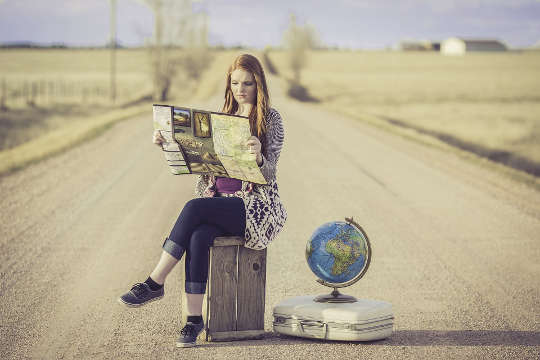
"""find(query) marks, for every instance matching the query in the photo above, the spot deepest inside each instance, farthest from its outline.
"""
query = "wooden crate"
(236, 291)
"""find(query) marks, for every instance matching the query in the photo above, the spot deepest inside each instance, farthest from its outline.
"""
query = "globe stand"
(335, 297)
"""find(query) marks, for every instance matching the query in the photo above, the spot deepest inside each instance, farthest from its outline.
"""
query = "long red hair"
(262, 103)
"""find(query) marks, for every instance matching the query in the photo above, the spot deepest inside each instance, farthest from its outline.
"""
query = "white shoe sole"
(185, 345)
(138, 305)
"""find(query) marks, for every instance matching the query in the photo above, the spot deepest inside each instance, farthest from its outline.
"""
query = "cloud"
(348, 22)
(440, 5)
(461, 3)
(56, 7)
(78, 6)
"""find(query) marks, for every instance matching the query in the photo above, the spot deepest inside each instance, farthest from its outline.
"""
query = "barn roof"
(480, 41)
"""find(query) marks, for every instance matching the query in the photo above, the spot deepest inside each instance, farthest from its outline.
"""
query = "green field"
(488, 103)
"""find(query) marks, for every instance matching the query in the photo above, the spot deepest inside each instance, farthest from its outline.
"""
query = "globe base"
(335, 297)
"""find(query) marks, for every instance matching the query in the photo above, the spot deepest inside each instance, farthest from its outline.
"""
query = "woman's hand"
(157, 138)
(254, 147)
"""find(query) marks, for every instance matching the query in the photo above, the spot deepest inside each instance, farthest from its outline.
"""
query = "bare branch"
(179, 46)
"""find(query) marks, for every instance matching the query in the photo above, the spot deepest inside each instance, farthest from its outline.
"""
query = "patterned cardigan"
(265, 214)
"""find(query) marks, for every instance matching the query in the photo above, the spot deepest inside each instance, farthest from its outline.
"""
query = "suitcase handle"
(313, 323)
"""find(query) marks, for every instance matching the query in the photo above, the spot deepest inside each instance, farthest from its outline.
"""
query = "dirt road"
(456, 247)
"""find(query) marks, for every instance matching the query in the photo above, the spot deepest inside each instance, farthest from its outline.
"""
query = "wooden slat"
(228, 241)
(251, 289)
(222, 289)
(236, 335)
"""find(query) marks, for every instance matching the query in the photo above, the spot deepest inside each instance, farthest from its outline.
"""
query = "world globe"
(338, 253)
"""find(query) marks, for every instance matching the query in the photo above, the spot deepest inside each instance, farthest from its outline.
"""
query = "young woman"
(223, 207)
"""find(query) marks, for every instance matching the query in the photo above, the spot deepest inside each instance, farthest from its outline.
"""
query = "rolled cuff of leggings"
(195, 287)
(173, 248)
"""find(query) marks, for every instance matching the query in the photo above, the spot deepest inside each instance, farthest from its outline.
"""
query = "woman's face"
(243, 86)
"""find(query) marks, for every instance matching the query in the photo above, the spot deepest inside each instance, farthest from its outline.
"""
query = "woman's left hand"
(254, 147)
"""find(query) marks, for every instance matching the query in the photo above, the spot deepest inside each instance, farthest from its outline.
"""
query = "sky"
(354, 24)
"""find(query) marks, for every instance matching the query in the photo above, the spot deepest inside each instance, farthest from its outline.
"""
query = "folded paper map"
(206, 142)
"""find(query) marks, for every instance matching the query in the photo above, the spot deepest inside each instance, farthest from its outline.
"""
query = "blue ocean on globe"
(336, 252)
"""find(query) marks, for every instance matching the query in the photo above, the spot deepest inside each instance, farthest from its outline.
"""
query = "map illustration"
(204, 142)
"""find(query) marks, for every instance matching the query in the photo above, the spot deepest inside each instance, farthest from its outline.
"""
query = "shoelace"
(139, 289)
(188, 330)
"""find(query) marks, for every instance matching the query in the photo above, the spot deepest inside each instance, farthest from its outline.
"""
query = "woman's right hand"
(157, 138)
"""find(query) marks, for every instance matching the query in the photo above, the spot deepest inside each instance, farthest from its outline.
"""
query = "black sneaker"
(140, 294)
(188, 335)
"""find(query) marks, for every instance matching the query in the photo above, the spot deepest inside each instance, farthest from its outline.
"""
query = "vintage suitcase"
(364, 320)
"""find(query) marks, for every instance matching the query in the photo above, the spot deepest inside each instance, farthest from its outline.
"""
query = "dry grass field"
(485, 103)
(56, 120)
(45, 89)
(75, 69)
(488, 103)
(64, 85)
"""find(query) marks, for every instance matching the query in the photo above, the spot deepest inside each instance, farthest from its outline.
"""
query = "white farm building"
(459, 46)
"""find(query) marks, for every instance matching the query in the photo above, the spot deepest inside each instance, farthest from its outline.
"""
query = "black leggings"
(200, 221)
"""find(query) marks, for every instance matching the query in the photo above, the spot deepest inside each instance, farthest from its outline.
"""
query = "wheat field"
(485, 102)
(43, 90)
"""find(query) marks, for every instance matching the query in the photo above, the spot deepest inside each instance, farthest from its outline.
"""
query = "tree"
(298, 39)
(179, 46)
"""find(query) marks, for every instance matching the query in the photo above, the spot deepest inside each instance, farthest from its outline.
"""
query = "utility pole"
(113, 50)
(158, 49)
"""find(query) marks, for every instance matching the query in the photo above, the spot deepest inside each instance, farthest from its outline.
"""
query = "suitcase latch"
(313, 324)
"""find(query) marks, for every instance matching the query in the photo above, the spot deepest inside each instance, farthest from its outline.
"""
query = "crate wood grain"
(228, 241)
(251, 287)
(236, 291)
(223, 278)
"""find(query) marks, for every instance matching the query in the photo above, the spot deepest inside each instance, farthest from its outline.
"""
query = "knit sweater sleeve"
(200, 186)
(274, 142)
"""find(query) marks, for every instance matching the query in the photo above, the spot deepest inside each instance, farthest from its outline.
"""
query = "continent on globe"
(344, 254)
(337, 252)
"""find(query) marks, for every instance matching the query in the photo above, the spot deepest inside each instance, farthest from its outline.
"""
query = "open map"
(205, 142)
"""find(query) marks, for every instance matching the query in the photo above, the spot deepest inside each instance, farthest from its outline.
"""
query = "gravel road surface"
(456, 247)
